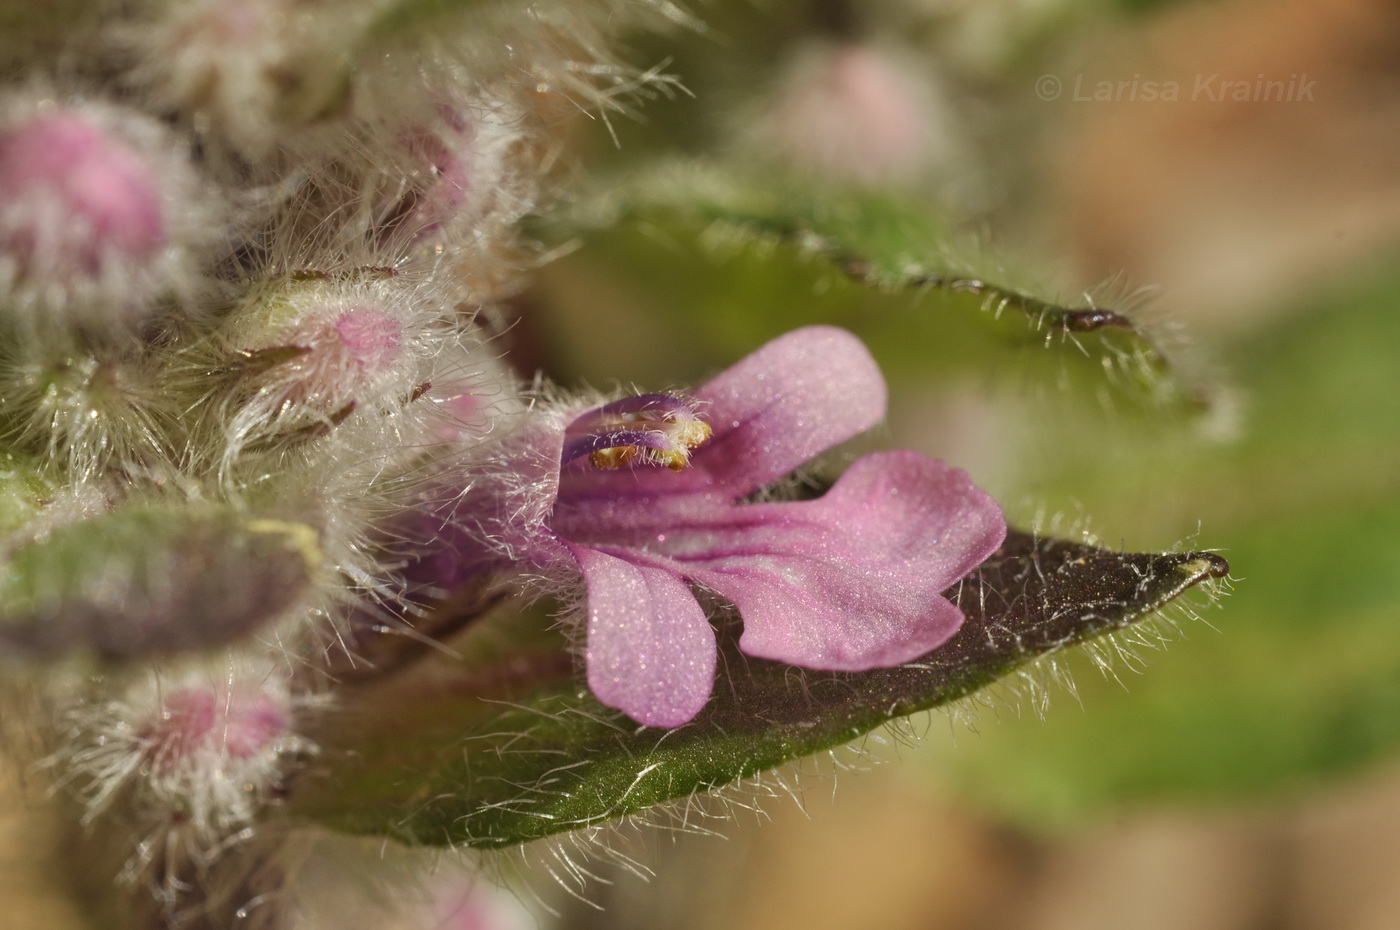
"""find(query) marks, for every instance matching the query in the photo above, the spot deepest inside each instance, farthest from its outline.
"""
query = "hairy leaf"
(737, 263)
(517, 750)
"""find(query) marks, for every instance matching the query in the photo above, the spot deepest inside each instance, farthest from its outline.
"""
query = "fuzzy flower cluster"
(253, 412)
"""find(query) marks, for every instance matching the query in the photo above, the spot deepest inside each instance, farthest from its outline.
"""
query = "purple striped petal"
(854, 580)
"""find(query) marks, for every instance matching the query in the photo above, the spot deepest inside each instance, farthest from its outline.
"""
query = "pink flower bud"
(369, 338)
(192, 722)
(101, 213)
(248, 73)
(446, 179)
(455, 173)
(351, 352)
(204, 746)
(474, 393)
(852, 114)
(310, 355)
(75, 200)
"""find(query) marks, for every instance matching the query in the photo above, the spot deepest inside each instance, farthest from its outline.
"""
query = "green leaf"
(516, 750)
(694, 256)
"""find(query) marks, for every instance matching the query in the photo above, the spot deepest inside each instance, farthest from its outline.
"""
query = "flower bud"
(98, 214)
(852, 114)
(457, 173)
(204, 745)
(247, 73)
(76, 198)
(152, 581)
(306, 355)
(474, 393)
(196, 721)
(89, 411)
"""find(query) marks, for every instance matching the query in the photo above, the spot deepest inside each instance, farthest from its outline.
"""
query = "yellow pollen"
(693, 434)
(616, 457)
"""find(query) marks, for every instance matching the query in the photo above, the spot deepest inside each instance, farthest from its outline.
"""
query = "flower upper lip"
(771, 413)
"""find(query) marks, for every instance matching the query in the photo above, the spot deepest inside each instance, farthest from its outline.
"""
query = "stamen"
(649, 429)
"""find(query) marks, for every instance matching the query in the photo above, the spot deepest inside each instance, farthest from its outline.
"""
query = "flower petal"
(854, 580)
(791, 400)
(651, 651)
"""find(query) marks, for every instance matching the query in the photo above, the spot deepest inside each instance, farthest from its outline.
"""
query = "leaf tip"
(1202, 565)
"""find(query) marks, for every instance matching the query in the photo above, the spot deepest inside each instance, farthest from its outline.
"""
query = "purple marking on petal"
(652, 406)
(651, 651)
(654, 410)
(854, 580)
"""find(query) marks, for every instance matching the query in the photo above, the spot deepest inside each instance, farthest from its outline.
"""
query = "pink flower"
(850, 581)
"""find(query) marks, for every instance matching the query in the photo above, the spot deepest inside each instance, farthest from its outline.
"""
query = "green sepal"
(151, 581)
(24, 491)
